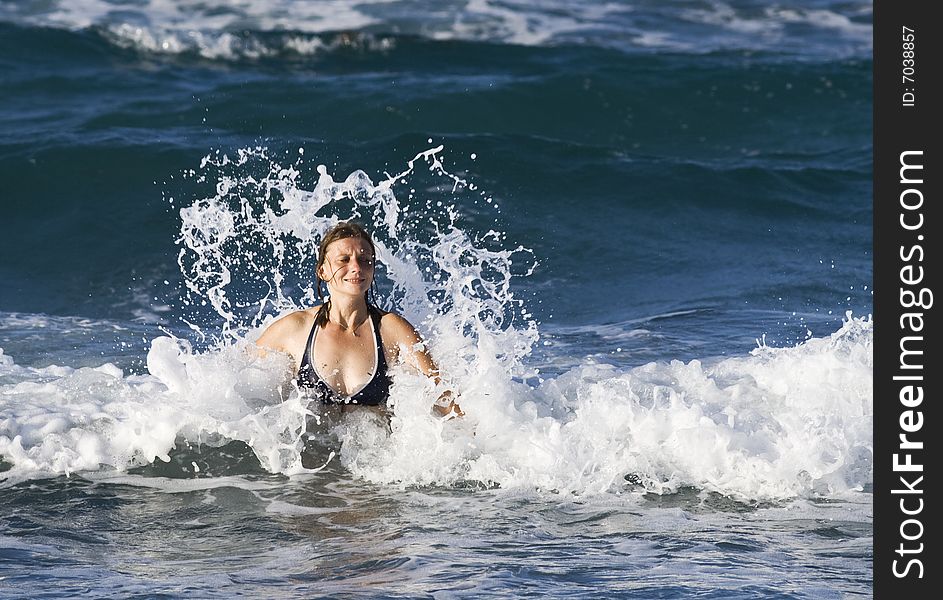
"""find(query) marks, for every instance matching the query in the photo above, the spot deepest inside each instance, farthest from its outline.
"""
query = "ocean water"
(637, 236)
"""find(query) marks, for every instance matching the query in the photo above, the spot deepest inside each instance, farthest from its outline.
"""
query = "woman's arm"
(403, 338)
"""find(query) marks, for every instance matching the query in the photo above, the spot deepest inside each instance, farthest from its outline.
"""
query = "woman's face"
(348, 266)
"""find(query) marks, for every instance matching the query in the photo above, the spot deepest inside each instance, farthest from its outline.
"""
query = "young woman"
(342, 349)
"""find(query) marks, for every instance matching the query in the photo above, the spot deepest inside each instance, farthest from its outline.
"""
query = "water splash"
(774, 423)
(248, 251)
(779, 423)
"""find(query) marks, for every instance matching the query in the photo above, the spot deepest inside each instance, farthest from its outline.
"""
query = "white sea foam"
(824, 19)
(59, 324)
(227, 29)
(60, 420)
(776, 423)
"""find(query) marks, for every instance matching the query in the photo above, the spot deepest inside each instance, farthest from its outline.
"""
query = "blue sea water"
(636, 234)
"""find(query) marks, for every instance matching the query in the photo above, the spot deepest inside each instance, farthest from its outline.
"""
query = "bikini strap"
(376, 315)
(306, 357)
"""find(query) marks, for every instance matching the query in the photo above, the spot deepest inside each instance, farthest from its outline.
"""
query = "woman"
(342, 348)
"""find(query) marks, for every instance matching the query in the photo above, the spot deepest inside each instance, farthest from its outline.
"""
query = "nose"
(359, 263)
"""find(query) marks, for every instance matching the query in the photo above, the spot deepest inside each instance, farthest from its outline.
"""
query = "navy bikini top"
(374, 393)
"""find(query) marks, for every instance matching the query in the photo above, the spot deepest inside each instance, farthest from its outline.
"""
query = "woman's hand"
(446, 407)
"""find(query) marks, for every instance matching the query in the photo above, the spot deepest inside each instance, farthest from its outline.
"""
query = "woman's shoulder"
(282, 332)
(396, 328)
(388, 316)
(303, 319)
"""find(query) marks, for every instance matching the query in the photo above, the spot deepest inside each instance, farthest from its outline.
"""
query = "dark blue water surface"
(698, 170)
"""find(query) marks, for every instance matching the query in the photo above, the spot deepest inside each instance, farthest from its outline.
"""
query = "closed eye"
(346, 259)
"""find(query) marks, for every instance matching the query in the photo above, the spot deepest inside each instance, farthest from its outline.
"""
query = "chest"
(345, 362)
